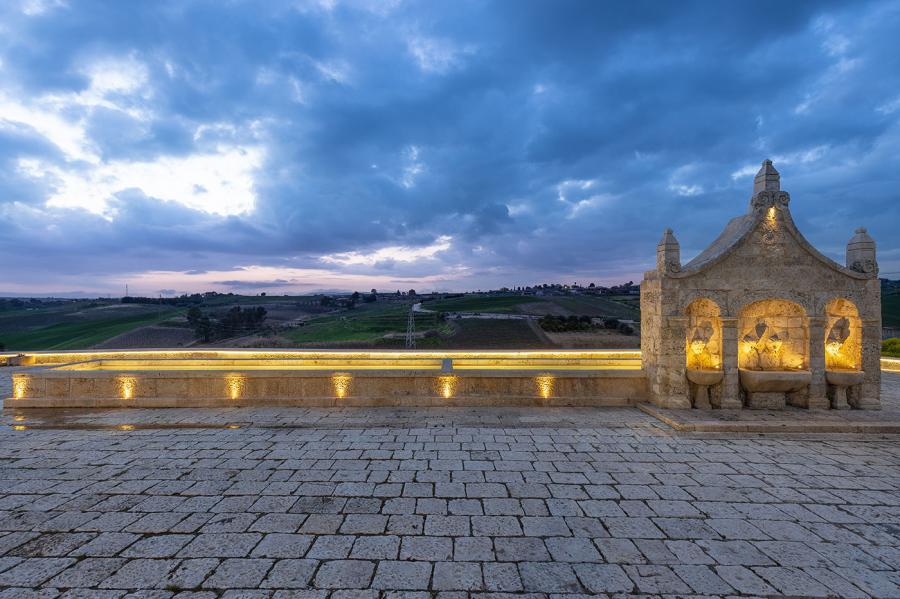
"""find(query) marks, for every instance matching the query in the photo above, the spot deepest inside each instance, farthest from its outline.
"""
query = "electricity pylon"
(411, 330)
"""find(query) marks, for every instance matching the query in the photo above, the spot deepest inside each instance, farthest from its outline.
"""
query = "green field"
(82, 334)
(593, 305)
(363, 324)
(480, 303)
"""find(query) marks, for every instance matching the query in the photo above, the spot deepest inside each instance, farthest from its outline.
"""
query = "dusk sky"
(291, 147)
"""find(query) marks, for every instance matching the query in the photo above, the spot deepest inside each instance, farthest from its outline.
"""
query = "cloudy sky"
(297, 146)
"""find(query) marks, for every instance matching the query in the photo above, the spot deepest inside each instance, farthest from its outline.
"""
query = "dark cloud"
(550, 141)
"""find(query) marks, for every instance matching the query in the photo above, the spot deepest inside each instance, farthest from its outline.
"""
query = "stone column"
(867, 395)
(817, 397)
(731, 385)
(673, 383)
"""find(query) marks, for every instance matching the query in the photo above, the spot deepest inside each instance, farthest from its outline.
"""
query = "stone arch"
(773, 334)
(843, 335)
(703, 335)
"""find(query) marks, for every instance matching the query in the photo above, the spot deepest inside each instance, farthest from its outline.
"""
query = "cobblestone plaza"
(442, 502)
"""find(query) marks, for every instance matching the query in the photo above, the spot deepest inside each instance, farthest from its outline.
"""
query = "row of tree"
(236, 321)
(568, 324)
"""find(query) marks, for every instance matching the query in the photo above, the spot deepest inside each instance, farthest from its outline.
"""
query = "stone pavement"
(439, 502)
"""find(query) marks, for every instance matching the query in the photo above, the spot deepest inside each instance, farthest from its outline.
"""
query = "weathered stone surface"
(609, 502)
(761, 298)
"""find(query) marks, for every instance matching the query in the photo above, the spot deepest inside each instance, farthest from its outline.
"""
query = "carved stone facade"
(761, 319)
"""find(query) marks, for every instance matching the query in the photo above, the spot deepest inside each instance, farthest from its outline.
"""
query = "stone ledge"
(791, 420)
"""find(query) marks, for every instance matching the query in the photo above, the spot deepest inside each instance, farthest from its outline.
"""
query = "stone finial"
(861, 253)
(767, 179)
(668, 253)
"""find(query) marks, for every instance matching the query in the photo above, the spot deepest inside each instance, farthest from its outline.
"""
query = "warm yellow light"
(127, 385)
(19, 427)
(698, 346)
(235, 384)
(20, 385)
(544, 385)
(747, 347)
(772, 213)
(833, 348)
(447, 386)
(19, 419)
(233, 426)
(776, 345)
(126, 427)
(341, 384)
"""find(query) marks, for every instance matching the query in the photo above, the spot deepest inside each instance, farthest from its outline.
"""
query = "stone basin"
(844, 378)
(705, 377)
(766, 388)
(839, 381)
(702, 380)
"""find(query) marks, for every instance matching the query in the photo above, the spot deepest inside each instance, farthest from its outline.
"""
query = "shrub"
(891, 347)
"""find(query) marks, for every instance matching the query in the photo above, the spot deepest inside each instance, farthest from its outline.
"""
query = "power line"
(411, 329)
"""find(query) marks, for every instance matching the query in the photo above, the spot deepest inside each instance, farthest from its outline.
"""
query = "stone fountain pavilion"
(761, 319)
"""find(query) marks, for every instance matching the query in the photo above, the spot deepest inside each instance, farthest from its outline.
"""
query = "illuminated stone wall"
(761, 267)
(773, 335)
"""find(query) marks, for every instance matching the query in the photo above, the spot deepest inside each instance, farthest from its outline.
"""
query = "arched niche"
(773, 335)
(703, 338)
(843, 335)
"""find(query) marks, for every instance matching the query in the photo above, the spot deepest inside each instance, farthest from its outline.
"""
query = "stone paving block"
(140, 574)
(837, 583)
(189, 573)
(538, 526)
(400, 575)
(493, 526)
(473, 549)
(743, 580)
(345, 574)
(280, 545)
(792, 581)
(572, 549)
(23, 593)
(221, 545)
(88, 572)
(423, 548)
(321, 524)
(371, 524)
(238, 572)
(702, 579)
(735, 553)
(548, 577)
(52, 545)
(31, 572)
(633, 528)
(620, 551)
(282, 523)
(732, 528)
(656, 579)
(501, 577)
(604, 578)
(451, 576)
(376, 547)
(877, 584)
(157, 546)
(107, 544)
(455, 526)
(290, 574)
(517, 549)
(331, 547)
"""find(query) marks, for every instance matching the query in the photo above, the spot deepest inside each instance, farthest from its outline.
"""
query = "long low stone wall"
(52, 388)
(188, 378)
